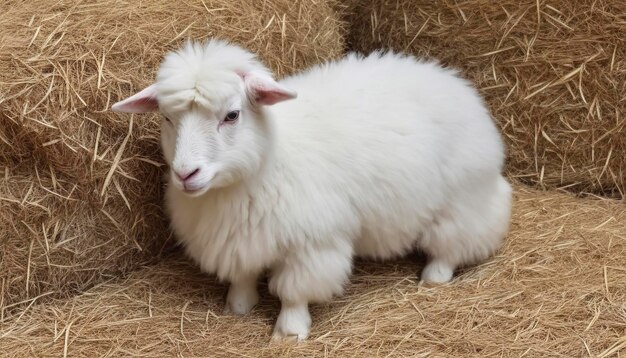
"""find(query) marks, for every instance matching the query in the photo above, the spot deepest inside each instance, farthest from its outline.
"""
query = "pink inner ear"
(264, 90)
(141, 102)
(270, 96)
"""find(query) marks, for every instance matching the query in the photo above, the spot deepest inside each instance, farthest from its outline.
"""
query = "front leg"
(294, 321)
(242, 295)
(309, 274)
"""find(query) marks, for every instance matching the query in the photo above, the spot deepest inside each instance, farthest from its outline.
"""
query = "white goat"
(377, 156)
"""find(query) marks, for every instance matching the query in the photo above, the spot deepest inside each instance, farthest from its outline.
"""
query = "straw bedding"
(553, 72)
(557, 288)
(80, 186)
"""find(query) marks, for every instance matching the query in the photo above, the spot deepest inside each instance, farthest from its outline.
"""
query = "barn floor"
(558, 288)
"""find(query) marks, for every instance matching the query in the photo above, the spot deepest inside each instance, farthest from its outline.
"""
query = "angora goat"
(374, 157)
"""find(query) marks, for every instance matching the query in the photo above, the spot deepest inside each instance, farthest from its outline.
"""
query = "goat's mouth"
(191, 189)
(196, 185)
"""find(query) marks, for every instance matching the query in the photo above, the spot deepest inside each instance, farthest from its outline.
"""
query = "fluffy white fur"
(375, 156)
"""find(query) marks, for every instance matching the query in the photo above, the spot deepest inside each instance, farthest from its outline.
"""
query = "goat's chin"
(189, 191)
(194, 193)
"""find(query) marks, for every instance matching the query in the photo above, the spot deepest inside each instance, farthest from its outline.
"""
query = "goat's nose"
(186, 175)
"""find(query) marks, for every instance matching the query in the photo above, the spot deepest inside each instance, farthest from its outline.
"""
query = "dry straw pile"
(557, 288)
(553, 72)
(79, 185)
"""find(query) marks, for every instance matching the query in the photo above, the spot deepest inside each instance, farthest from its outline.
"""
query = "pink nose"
(186, 175)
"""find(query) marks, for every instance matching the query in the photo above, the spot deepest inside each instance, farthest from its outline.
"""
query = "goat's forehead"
(207, 94)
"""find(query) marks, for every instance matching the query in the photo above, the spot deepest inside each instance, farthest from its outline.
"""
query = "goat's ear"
(262, 89)
(141, 102)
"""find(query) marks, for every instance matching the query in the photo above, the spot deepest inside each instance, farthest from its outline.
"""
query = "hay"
(79, 185)
(557, 288)
(553, 72)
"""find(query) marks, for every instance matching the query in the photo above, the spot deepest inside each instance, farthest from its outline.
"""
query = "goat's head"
(214, 129)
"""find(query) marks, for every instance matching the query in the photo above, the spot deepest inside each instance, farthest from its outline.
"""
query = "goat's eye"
(231, 116)
(167, 119)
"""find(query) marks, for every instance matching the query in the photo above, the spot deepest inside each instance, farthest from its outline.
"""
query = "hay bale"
(79, 185)
(557, 288)
(553, 72)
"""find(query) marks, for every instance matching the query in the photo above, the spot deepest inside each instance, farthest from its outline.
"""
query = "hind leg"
(470, 231)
